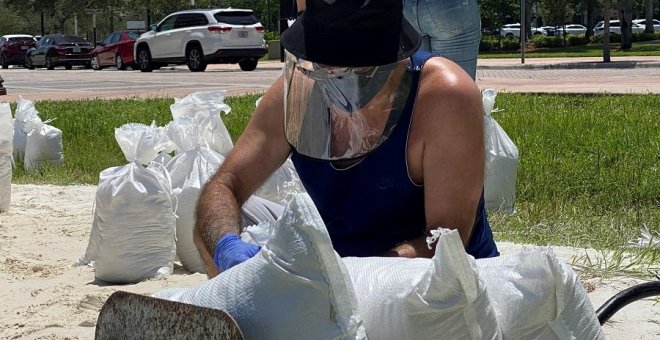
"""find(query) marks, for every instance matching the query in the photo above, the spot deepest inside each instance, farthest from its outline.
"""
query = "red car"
(116, 50)
(13, 48)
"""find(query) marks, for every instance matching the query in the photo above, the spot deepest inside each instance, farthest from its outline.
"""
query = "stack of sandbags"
(133, 231)
(6, 149)
(35, 141)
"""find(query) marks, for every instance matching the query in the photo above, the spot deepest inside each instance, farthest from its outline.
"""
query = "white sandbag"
(295, 288)
(166, 147)
(536, 296)
(190, 169)
(43, 144)
(438, 298)
(282, 183)
(501, 161)
(25, 111)
(6, 149)
(205, 107)
(133, 230)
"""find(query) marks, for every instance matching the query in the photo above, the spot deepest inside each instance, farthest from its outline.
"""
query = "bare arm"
(260, 150)
(446, 152)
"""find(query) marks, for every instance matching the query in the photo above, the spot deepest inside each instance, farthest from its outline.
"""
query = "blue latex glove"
(231, 250)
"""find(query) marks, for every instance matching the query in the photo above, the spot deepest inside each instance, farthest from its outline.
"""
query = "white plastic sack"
(536, 296)
(295, 288)
(190, 169)
(43, 144)
(501, 161)
(205, 108)
(133, 231)
(438, 298)
(282, 183)
(25, 111)
(166, 147)
(6, 149)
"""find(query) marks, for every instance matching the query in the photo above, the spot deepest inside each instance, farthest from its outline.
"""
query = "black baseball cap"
(352, 33)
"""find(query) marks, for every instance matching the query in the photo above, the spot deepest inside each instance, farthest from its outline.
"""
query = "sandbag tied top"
(205, 108)
(139, 142)
(6, 149)
(294, 288)
(25, 111)
(186, 134)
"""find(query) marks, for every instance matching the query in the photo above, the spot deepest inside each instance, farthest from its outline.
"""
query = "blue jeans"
(449, 27)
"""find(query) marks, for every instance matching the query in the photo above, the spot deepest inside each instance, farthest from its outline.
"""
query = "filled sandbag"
(133, 230)
(281, 184)
(537, 297)
(6, 149)
(25, 111)
(501, 161)
(295, 288)
(189, 169)
(43, 144)
(442, 297)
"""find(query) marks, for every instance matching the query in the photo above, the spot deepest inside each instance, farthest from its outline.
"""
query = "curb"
(576, 65)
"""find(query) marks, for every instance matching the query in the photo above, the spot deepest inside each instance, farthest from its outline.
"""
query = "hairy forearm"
(218, 213)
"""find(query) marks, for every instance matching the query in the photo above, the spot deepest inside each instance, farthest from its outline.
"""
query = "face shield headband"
(336, 113)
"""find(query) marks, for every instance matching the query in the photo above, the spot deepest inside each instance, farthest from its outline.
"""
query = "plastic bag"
(282, 183)
(43, 144)
(133, 231)
(6, 149)
(501, 161)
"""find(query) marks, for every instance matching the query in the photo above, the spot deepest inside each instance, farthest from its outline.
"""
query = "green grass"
(643, 48)
(589, 171)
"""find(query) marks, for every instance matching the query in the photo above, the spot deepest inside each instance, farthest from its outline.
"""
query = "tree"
(625, 18)
(648, 10)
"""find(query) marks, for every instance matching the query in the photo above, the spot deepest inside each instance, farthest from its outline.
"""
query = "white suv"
(200, 37)
(615, 28)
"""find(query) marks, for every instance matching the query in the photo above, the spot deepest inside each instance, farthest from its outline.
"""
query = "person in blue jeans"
(449, 27)
(387, 140)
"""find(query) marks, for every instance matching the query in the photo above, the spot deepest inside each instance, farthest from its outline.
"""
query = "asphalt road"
(177, 81)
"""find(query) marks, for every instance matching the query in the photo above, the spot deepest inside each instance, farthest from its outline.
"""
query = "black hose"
(625, 297)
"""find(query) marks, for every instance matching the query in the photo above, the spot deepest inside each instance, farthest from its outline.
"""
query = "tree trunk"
(625, 19)
(649, 16)
(591, 17)
(606, 31)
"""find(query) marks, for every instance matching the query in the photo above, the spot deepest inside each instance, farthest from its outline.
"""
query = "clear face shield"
(336, 113)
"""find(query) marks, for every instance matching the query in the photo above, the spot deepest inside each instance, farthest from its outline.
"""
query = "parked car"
(574, 29)
(510, 30)
(13, 48)
(201, 37)
(545, 30)
(59, 50)
(615, 28)
(642, 23)
(116, 50)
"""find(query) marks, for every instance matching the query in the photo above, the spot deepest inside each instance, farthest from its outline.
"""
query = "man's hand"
(231, 250)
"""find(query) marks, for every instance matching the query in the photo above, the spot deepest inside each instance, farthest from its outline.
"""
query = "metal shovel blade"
(132, 316)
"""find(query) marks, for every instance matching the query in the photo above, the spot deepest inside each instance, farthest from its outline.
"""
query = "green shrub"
(614, 38)
(271, 35)
(546, 41)
(576, 40)
(489, 43)
(510, 44)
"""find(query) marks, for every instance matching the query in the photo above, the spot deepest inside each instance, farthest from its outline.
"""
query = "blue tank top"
(373, 205)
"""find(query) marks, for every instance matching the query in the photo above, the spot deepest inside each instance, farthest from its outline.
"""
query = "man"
(389, 144)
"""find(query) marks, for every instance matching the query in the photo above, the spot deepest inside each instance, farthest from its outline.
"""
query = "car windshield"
(68, 39)
(236, 18)
(21, 39)
(132, 35)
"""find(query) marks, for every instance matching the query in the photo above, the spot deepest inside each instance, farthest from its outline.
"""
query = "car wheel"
(509, 35)
(49, 63)
(119, 62)
(195, 59)
(94, 62)
(144, 60)
(248, 64)
(68, 67)
(3, 61)
(28, 63)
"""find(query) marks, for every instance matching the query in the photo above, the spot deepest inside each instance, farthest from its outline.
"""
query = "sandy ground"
(44, 297)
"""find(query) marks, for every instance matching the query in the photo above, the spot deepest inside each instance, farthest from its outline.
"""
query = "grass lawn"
(642, 48)
(588, 175)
